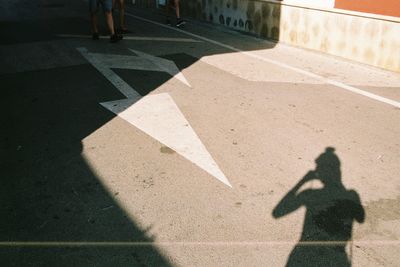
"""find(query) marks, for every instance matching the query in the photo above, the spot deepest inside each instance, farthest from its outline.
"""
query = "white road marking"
(159, 117)
(165, 65)
(281, 64)
(156, 115)
(253, 70)
(135, 38)
(120, 84)
(141, 62)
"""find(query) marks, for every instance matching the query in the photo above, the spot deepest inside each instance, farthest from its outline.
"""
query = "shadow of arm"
(292, 201)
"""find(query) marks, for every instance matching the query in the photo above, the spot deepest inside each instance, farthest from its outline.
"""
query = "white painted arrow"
(165, 65)
(156, 115)
(159, 117)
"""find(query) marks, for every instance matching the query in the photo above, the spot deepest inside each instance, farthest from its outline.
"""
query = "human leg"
(93, 7)
(107, 7)
(122, 15)
(95, 30)
(179, 20)
(176, 3)
(110, 22)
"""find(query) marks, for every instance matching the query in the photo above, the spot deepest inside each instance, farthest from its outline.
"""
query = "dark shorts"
(94, 5)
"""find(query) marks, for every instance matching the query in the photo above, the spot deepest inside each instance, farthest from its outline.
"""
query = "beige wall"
(366, 38)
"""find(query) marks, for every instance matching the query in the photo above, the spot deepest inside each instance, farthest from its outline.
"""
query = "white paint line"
(253, 70)
(135, 38)
(159, 117)
(125, 62)
(120, 84)
(283, 65)
(105, 62)
(166, 65)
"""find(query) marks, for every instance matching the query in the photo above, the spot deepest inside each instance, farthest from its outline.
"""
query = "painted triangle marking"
(159, 117)
(156, 115)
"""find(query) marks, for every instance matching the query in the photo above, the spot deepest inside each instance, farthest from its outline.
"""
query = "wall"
(261, 18)
(313, 3)
(382, 7)
(369, 39)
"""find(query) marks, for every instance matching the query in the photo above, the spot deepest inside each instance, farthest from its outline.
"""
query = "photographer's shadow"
(331, 211)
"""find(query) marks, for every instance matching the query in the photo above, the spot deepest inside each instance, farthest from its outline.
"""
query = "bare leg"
(122, 14)
(114, 6)
(176, 2)
(93, 19)
(110, 22)
(179, 20)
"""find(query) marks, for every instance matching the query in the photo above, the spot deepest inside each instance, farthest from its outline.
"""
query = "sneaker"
(168, 22)
(180, 22)
(95, 36)
(115, 38)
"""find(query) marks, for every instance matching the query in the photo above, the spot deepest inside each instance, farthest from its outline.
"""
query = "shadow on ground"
(330, 214)
(49, 193)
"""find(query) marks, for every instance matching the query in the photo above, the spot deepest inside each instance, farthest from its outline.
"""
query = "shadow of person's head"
(328, 168)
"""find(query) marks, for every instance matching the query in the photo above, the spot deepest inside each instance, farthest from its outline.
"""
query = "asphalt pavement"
(190, 146)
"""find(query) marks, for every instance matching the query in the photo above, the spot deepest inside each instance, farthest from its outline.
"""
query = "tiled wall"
(257, 17)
